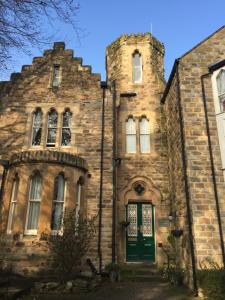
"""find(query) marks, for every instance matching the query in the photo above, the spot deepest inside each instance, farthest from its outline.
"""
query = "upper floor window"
(56, 76)
(52, 128)
(137, 67)
(131, 135)
(66, 128)
(34, 202)
(58, 203)
(13, 203)
(37, 127)
(144, 135)
(220, 80)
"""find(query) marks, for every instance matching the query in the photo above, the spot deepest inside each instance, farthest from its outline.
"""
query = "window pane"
(221, 82)
(145, 143)
(36, 136)
(131, 143)
(137, 60)
(67, 119)
(52, 119)
(13, 205)
(56, 76)
(66, 137)
(222, 103)
(130, 126)
(57, 215)
(35, 192)
(144, 126)
(51, 138)
(33, 216)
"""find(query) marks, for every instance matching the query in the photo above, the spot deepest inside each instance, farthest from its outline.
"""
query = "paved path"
(128, 291)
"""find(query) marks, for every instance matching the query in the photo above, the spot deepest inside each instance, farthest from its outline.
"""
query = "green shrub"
(211, 278)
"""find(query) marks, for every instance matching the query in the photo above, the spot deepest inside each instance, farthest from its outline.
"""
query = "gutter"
(213, 166)
(104, 87)
(186, 183)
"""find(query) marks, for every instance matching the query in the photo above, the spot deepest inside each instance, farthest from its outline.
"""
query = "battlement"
(135, 39)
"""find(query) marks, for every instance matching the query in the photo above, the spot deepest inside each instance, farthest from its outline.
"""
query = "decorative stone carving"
(48, 156)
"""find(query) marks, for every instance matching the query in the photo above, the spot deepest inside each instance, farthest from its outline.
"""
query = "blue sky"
(178, 24)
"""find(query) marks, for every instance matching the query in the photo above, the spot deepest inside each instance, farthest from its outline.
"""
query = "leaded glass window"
(220, 79)
(34, 204)
(56, 76)
(132, 218)
(147, 219)
(137, 68)
(144, 135)
(131, 135)
(66, 128)
(37, 127)
(13, 204)
(52, 128)
(58, 203)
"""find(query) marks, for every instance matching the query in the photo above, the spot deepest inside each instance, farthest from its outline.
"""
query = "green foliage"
(70, 245)
(211, 278)
(172, 241)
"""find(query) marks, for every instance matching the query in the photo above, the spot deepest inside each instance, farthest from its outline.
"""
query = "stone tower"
(136, 76)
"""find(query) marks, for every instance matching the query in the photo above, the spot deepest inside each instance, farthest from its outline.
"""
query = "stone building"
(143, 157)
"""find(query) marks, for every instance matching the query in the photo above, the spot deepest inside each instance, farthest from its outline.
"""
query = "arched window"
(137, 67)
(13, 203)
(37, 127)
(34, 202)
(131, 135)
(66, 128)
(52, 128)
(58, 203)
(144, 135)
(220, 80)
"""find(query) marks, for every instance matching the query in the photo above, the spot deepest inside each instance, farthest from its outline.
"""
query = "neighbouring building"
(143, 156)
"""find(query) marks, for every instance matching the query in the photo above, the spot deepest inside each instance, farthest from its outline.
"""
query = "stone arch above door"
(140, 188)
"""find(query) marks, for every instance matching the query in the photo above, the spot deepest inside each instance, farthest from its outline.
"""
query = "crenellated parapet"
(46, 156)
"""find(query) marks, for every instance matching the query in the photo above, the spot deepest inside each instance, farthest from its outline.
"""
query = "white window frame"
(220, 119)
(59, 231)
(32, 231)
(52, 145)
(13, 204)
(134, 68)
(78, 200)
(131, 134)
(144, 134)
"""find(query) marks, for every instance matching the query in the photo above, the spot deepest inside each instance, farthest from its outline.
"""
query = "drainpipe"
(186, 184)
(213, 168)
(114, 174)
(104, 87)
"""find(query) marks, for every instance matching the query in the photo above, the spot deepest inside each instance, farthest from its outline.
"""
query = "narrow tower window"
(137, 68)
(220, 79)
(66, 128)
(144, 135)
(56, 76)
(37, 127)
(12, 208)
(131, 135)
(52, 128)
(34, 204)
(58, 203)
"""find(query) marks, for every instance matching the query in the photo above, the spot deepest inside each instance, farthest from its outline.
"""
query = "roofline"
(216, 66)
(169, 82)
(202, 41)
(176, 63)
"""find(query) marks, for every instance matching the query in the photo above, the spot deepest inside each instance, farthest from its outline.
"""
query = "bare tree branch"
(21, 23)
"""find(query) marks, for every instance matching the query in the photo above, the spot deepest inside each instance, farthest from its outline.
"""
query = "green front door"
(140, 234)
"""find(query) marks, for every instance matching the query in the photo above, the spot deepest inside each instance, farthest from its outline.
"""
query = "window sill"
(30, 232)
